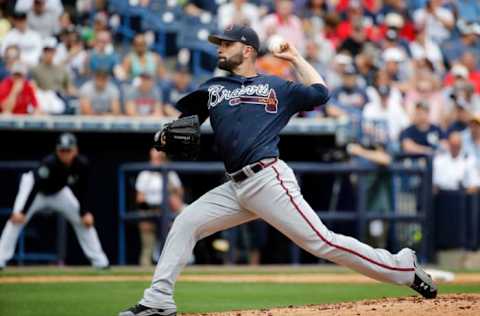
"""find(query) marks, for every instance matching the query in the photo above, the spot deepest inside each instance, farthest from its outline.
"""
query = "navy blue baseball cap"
(66, 141)
(237, 33)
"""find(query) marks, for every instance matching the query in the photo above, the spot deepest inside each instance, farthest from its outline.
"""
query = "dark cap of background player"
(66, 141)
(237, 33)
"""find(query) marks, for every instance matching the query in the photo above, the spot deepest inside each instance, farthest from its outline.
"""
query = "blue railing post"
(428, 233)
(121, 223)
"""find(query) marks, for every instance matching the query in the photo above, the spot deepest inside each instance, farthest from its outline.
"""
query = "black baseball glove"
(179, 139)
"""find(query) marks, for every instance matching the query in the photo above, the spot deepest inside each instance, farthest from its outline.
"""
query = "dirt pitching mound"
(445, 305)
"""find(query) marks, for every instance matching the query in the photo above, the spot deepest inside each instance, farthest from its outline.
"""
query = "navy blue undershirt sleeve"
(195, 103)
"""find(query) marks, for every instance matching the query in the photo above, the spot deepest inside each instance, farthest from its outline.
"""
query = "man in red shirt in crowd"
(17, 94)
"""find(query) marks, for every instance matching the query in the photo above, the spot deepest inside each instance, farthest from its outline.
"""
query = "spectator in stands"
(376, 146)
(71, 53)
(99, 96)
(455, 48)
(11, 56)
(463, 91)
(458, 75)
(354, 20)
(239, 12)
(461, 114)
(455, 169)
(5, 25)
(89, 32)
(422, 137)
(349, 98)
(102, 56)
(141, 60)
(27, 5)
(284, 23)
(384, 110)
(393, 40)
(470, 61)
(269, 64)
(180, 85)
(201, 7)
(426, 89)
(355, 42)
(44, 21)
(397, 65)
(471, 138)
(315, 12)
(424, 48)
(396, 21)
(53, 82)
(334, 72)
(437, 20)
(66, 22)
(316, 56)
(149, 198)
(365, 64)
(144, 99)
(17, 94)
(29, 41)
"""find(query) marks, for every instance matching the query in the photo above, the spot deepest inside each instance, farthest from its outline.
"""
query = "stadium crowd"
(405, 73)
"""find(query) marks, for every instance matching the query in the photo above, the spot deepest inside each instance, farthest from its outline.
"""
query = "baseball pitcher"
(247, 111)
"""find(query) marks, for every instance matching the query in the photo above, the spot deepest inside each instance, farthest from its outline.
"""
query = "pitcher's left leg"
(280, 203)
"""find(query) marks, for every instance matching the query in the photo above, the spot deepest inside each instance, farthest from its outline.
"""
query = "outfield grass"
(107, 298)
(191, 270)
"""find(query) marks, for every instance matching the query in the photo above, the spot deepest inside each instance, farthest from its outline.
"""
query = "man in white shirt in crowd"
(437, 20)
(239, 12)
(43, 20)
(28, 41)
(26, 5)
(455, 169)
(149, 197)
(284, 23)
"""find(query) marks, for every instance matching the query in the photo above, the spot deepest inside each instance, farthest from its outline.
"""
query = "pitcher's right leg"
(281, 204)
(216, 210)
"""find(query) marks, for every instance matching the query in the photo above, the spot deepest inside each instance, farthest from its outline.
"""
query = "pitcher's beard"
(229, 64)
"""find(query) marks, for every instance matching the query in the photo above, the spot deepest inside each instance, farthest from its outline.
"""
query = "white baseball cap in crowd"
(343, 59)
(459, 70)
(395, 20)
(50, 43)
(393, 54)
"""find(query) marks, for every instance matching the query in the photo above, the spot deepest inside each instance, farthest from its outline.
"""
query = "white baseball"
(275, 43)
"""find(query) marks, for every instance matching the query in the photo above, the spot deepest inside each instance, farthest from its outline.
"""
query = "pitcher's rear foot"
(423, 282)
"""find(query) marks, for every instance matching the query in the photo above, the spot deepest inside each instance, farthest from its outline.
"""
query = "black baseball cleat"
(423, 282)
(140, 310)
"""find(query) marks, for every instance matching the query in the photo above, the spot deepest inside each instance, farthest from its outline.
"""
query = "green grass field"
(107, 298)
